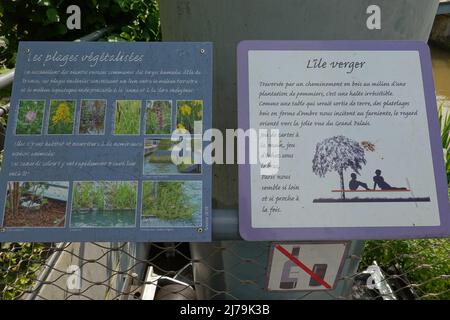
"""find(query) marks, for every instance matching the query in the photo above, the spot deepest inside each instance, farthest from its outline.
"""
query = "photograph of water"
(158, 158)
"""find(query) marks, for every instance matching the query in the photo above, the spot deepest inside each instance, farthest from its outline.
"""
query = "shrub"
(20, 263)
(166, 200)
(22, 20)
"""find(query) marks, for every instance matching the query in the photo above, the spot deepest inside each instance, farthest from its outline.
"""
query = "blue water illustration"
(103, 218)
(193, 190)
(168, 167)
(159, 168)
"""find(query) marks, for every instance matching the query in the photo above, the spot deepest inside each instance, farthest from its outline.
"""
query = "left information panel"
(104, 143)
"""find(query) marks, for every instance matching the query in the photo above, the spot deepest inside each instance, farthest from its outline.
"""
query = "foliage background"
(20, 20)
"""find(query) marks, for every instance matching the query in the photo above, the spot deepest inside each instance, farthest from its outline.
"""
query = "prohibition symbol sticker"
(305, 266)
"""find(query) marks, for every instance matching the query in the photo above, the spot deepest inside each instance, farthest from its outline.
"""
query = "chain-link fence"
(414, 269)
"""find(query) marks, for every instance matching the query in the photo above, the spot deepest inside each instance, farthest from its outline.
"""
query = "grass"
(86, 195)
(127, 119)
(158, 117)
(61, 119)
(166, 200)
(104, 195)
(30, 116)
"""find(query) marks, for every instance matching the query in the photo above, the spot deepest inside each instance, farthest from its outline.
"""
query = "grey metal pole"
(6, 79)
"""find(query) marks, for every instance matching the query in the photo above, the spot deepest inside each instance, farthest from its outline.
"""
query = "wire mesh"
(413, 269)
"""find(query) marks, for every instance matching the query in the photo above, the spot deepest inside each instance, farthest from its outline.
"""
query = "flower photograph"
(61, 118)
(30, 116)
(188, 113)
(92, 117)
(158, 117)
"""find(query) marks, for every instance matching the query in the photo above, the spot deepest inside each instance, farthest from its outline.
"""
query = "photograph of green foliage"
(127, 118)
(30, 116)
(158, 117)
(104, 204)
(92, 117)
(171, 204)
(35, 204)
(188, 112)
(61, 118)
(158, 158)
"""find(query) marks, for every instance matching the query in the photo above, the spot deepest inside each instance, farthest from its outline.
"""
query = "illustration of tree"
(338, 153)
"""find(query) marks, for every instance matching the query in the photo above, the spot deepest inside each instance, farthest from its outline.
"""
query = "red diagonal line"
(302, 266)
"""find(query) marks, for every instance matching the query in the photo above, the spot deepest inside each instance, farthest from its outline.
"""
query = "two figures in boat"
(378, 181)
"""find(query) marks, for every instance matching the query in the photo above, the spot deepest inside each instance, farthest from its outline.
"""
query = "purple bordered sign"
(360, 148)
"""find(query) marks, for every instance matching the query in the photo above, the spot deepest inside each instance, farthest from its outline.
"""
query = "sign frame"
(272, 249)
(188, 59)
(248, 232)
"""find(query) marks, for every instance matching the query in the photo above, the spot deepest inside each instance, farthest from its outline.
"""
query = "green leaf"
(52, 15)
(61, 28)
(44, 3)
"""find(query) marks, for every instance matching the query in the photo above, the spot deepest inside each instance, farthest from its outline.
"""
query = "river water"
(441, 73)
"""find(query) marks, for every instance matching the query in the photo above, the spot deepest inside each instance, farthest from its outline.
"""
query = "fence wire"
(414, 269)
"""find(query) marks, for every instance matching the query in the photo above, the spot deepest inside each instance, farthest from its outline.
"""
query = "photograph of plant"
(171, 204)
(61, 117)
(189, 111)
(35, 204)
(127, 119)
(92, 117)
(158, 158)
(30, 116)
(158, 117)
(104, 204)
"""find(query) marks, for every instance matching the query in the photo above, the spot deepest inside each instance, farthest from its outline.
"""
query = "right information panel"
(359, 144)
